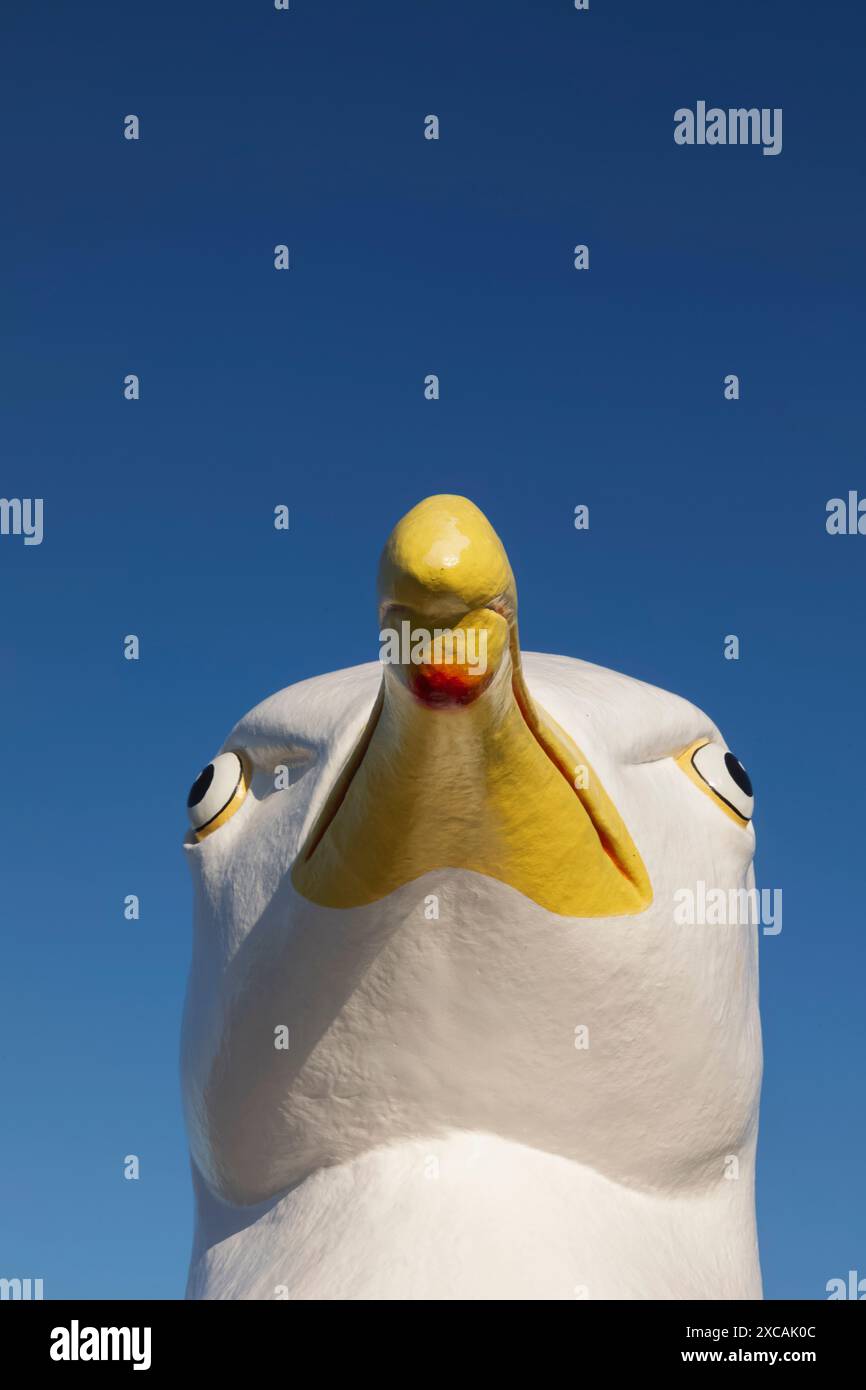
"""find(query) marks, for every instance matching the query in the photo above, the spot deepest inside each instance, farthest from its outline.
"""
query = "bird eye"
(715, 770)
(217, 793)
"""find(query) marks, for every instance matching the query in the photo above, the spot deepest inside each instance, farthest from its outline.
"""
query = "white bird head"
(436, 895)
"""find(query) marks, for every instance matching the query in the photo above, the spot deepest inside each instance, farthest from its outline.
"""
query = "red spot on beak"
(445, 685)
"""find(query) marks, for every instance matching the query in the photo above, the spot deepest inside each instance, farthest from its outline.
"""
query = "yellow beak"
(458, 767)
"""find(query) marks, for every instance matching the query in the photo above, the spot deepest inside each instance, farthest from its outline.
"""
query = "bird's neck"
(471, 1216)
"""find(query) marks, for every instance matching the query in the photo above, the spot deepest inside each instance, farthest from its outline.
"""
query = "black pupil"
(200, 786)
(739, 773)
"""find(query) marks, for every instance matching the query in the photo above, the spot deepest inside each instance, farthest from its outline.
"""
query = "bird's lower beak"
(458, 766)
(450, 665)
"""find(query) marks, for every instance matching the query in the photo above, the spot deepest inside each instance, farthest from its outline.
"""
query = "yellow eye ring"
(720, 776)
(218, 792)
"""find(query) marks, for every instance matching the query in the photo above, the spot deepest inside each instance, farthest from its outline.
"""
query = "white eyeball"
(727, 777)
(217, 793)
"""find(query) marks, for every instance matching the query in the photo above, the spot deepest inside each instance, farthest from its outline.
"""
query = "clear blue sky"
(305, 388)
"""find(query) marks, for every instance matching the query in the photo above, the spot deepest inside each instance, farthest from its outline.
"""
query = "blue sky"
(305, 388)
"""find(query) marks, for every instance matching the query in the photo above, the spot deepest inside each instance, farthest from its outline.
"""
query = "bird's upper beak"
(446, 584)
(458, 766)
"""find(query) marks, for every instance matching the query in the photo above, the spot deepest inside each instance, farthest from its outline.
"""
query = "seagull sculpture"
(444, 1036)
